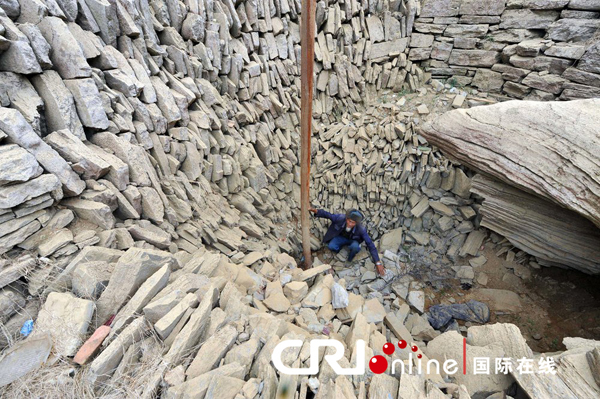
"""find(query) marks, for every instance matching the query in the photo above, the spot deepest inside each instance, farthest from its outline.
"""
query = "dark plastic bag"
(475, 311)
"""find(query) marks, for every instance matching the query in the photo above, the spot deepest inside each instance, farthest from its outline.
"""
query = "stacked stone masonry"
(376, 161)
(525, 49)
(140, 111)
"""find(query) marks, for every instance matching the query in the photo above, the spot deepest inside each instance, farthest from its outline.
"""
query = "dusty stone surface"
(66, 318)
(449, 346)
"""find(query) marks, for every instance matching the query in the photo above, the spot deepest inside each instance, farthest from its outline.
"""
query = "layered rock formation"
(549, 149)
(555, 235)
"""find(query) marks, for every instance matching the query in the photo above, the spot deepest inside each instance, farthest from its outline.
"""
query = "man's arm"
(371, 247)
(320, 213)
(373, 252)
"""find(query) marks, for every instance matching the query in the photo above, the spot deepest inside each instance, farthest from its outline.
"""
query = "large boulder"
(449, 346)
(525, 144)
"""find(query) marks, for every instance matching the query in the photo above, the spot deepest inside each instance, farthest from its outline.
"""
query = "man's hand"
(313, 210)
(380, 268)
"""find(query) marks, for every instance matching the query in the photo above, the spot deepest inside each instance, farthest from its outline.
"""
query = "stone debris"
(296, 291)
(23, 358)
(66, 319)
(89, 279)
(416, 299)
(102, 367)
(14, 269)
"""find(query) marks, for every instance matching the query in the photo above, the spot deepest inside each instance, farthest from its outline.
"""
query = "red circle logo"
(378, 364)
(388, 348)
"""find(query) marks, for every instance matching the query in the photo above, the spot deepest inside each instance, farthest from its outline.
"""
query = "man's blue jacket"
(338, 224)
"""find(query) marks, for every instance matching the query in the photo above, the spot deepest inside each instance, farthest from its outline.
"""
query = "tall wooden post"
(307, 34)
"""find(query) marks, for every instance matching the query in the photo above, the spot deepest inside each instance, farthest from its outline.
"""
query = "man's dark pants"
(338, 242)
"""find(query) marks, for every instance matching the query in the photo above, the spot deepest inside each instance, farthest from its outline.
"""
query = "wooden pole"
(307, 43)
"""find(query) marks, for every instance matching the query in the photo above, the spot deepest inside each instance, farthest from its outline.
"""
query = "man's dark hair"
(354, 214)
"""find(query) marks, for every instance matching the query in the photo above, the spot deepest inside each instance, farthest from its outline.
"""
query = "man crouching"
(346, 230)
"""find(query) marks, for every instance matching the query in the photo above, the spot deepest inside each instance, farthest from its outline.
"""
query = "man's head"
(353, 217)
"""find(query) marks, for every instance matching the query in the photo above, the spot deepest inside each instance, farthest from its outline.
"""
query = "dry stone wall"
(138, 111)
(525, 49)
(134, 113)
(532, 50)
(410, 193)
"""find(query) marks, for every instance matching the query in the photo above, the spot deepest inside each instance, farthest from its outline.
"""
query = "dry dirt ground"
(556, 303)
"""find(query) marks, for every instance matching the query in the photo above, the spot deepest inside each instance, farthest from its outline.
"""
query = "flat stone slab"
(66, 318)
(17, 165)
(23, 358)
(307, 274)
(16, 194)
